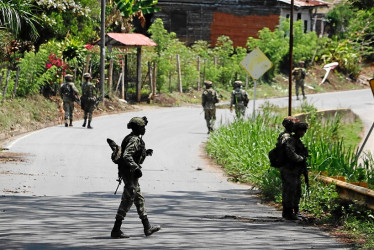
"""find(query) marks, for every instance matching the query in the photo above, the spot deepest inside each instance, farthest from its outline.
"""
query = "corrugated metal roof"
(306, 3)
(128, 39)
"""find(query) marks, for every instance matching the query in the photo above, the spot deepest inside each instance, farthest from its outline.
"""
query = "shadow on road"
(224, 219)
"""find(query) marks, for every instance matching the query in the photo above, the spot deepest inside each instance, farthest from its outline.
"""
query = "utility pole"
(291, 62)
(102, 49)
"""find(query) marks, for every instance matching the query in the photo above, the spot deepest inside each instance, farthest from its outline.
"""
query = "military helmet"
(300, 126)
(289, 121)
(87, 75)
(208, 83)
(68, 77)
(238, 83)
(137, 121)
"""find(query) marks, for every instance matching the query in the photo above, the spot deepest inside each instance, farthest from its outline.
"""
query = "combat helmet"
(68, 77)
(137, 122)
(289, 121)
(238, 84)
(87, 75)
(300, 126)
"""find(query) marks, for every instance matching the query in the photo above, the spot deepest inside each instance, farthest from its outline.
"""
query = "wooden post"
(150, 70)
(110, 73)
(16, 83)
(139, 74)
(198, 72)
(154, 78)
(170, 90)
(6, 84)
(291, 61)
(123, 80)
(179, 74)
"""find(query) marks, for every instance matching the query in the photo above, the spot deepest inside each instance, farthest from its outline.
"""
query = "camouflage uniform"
(299, 74)
(129, 158)
(88, 99)
(209, 99)
(291, 172)
(133, 155)
(68, 93)
(239, 98)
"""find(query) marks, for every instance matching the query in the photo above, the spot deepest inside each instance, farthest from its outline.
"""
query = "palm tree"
(16, 16)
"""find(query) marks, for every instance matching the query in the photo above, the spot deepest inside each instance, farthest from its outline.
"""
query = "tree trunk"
(16, 83)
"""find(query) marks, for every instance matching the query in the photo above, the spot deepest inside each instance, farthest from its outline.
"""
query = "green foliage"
(130, 7)
(275, 44)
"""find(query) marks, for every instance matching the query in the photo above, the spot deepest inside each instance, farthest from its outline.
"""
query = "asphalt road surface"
(60, 194)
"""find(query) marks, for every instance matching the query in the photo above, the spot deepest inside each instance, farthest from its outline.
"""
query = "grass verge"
(242, 149)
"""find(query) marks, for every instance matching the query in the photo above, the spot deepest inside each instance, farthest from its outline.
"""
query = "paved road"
(62, 195)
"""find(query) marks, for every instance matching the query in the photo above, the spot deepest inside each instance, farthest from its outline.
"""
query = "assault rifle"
(119, 183)
(305, 169)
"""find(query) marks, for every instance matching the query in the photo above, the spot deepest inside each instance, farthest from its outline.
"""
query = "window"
(178, 23)
(298, 16)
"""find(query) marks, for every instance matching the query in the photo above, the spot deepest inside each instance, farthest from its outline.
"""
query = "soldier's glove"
(138, 173)
(149, 152)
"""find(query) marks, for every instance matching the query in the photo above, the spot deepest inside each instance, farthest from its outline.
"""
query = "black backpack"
(277, 156)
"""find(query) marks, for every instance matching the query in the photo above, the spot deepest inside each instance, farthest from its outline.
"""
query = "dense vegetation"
(47, 39)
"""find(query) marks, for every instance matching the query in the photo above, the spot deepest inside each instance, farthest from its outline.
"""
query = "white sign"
(256, 63)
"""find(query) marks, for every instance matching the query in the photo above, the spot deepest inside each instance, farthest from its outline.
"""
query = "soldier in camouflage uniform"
(68, 93)
(209, 99)
(129, 157)
(299, 74)
(88, 99)
(239, 98)
(291, 172)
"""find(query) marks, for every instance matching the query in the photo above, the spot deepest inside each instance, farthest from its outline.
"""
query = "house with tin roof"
(207, 20)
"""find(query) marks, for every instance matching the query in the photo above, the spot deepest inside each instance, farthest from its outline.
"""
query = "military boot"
(71, 123)
(288, 214)
(89, 124)
(84, 123)
(148, 228)
(66, 123)
(116, 231)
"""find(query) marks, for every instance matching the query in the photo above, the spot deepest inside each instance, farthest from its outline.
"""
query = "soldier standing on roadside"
(299, 74)
(292, 170)
(209, 99)
(129, 158)
(88, 99)
(239, 98)
(69, 94)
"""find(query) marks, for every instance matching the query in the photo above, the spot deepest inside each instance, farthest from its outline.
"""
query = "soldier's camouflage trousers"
(131, 195)
(299, 84)
(210, 117)
(291, 187)
(69, 109)
(240, 110)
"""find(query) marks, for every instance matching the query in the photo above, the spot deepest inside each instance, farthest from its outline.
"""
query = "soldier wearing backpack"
(209, 99)
(69, 94)
(239, 99)
(291, 171)
(299, 74)
(88, 99)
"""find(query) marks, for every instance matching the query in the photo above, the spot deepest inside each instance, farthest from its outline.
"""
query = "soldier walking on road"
(69, 94)
(299, 74)
(239, 98)
(88, 99)
(209, 99)
(129, 158)
(292, 170)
